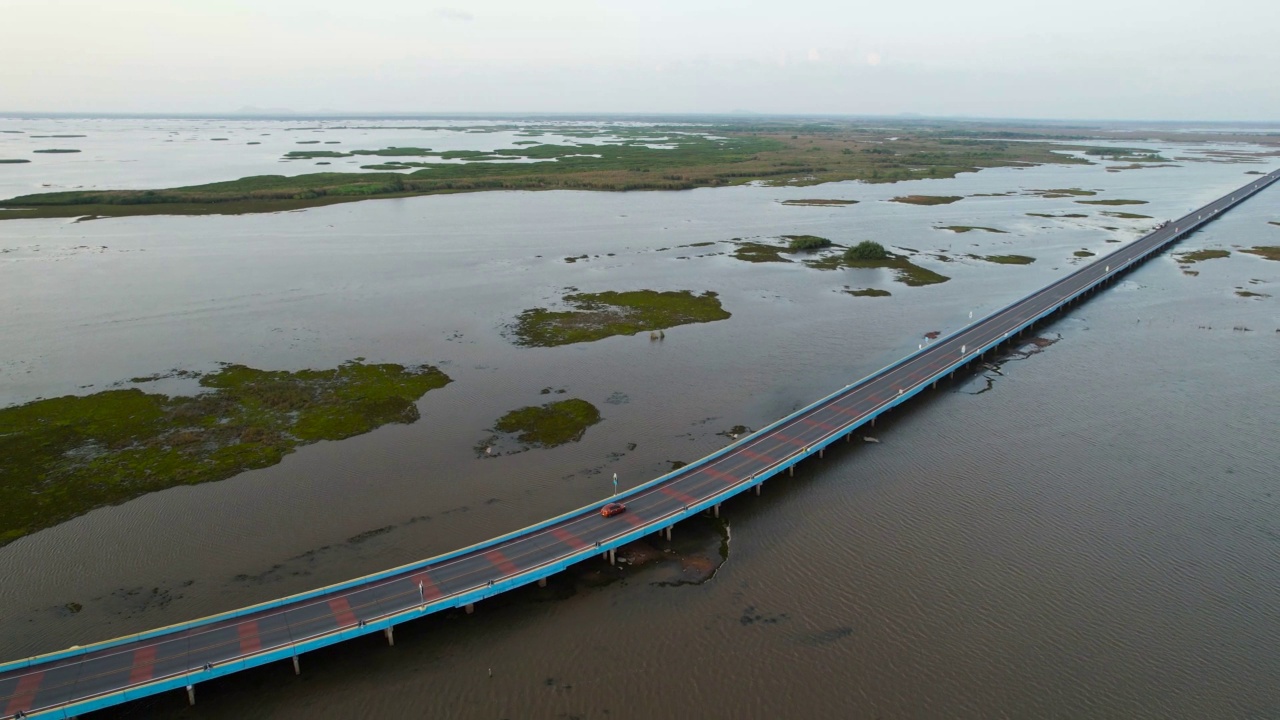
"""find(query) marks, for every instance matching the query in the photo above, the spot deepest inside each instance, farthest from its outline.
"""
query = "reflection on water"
(1095, 535)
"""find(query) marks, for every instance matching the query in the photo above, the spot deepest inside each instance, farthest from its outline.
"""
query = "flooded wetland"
(460, 328)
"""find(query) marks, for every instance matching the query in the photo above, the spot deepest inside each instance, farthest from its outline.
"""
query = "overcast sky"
(1124, 59)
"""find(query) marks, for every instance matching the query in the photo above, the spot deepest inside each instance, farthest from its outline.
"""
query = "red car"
(612, 509)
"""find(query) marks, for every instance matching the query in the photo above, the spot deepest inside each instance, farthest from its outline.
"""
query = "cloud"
(455, 14)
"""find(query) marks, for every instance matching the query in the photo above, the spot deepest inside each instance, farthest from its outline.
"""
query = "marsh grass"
(1006, 259)
(967, 228)
(771, 153)
(550, 425)
(1195, 256)
(927, 199)
(64, 456)
(1112, 202)
(595, 316)
(1270, 252)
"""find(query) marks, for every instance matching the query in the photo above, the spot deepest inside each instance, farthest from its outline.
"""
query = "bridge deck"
(81, 679)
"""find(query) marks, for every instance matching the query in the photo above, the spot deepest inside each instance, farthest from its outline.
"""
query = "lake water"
(1095, 536)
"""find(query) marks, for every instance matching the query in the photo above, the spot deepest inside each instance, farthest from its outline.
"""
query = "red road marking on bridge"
(429, 590)
(686, 499)
(342, 611)
(249, 640)
(726, 477)
(632, 518)
(144, 664)
(794, 441)
(24, 694)
(815, 423)
(569, 538)
(501, 562)
(755, 455)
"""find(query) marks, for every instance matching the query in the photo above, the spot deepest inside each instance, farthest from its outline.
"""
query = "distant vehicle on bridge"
(612, 509)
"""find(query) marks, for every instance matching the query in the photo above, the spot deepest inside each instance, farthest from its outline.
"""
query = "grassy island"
(800, 243)
(1112, 202)
(760, 252)
(927, 199)
(62, 457)
(549, 425)
(676, 157)
(13, 161)
(1195, 256)
(595, 316)
(967, 228)
(870, 255)
(1270, 252)
(869, 292)
(1006, 259)
(819, 203)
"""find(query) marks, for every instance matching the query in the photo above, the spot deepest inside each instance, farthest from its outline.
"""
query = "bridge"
(70, 682)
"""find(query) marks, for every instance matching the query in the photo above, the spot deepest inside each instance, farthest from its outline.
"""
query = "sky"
(1086, 59)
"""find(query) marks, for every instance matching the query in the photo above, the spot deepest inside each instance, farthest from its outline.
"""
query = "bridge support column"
(191, 694)
(389, 631)
(791, 471)
(668, 531)
(820, 451)
(761, 485)
(542, 582)
(470, 608)
(848, 438)
(297, 667)
(613, 556)
(715, 510)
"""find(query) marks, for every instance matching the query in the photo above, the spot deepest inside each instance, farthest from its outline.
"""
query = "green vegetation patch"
(549, 425)
(1251, 294)
(967, 228)
(1274, 222)
(806, 242)
(1084, 253)
(1112, 202)
(1270, 252)
(1063, 192)
(56, 150)
(814, 202)
(1125, 215)
(1006, 259)
(672, 157)
(1198, 255)
(869, 255)
(64, 456)
(869, 292)
(1063, 215)
(760, 252)
(595, 316)
(927, 199)
(13, 161)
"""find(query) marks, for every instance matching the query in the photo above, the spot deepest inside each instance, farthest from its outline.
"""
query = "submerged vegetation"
(62, 457)
(869, 292)
(595, 316)
(639, 158)
(13, 161)
(549, 425)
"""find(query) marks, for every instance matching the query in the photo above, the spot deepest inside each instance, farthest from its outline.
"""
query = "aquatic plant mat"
(62, 457)
(595, 316)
